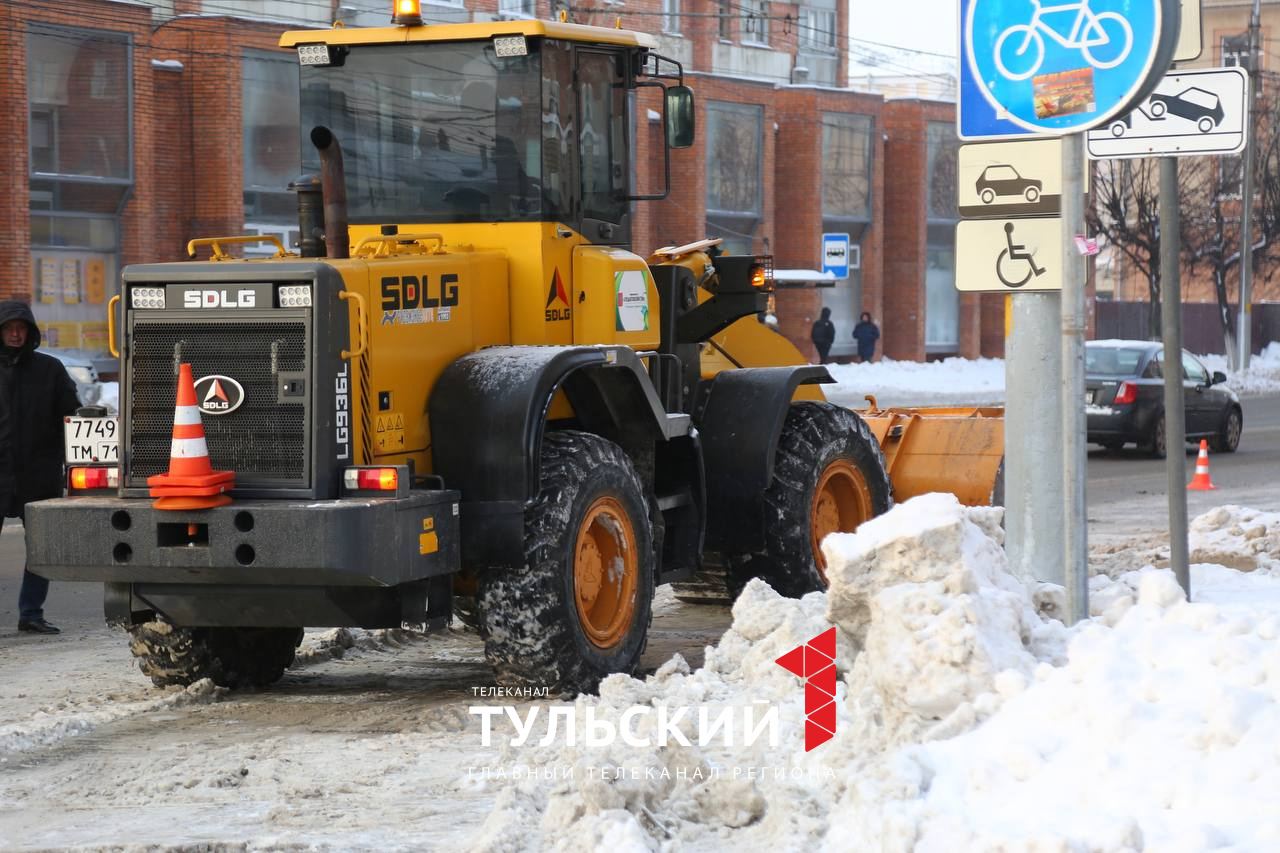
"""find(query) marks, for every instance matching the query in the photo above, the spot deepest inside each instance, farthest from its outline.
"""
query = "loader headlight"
(146, 297)
(294, 296)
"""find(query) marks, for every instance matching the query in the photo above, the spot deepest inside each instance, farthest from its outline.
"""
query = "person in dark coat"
(866, 333)
(35, 394)
(823, 335)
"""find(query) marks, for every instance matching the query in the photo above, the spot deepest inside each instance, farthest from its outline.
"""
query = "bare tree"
(1211, 214)
(1125, 214)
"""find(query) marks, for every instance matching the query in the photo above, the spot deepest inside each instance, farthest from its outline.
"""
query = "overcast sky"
(921, 24)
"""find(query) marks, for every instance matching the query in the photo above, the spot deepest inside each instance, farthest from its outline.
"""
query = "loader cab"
(533, 127)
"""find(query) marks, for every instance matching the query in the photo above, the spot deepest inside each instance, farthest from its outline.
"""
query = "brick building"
(142, 125)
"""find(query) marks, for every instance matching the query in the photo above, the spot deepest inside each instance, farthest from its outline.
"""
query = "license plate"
(91, 440)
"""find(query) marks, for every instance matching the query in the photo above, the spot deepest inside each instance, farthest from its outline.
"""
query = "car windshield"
(431, 132)
(1112, 361)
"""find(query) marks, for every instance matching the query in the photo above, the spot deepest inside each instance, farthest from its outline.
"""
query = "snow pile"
(947, 632)
(900, 383)
(109, 397)
(1154, 734)
(76, 717)
(1236, 537)
(1262, 377)
(1233, 536)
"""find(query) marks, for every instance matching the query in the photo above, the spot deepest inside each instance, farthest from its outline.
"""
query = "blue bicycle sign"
(1060, 66)
(1104, 40)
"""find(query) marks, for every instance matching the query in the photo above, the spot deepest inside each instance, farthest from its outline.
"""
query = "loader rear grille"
(263, 441)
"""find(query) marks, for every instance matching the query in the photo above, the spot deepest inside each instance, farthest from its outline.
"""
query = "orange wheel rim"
(841, 502)
(605, 568)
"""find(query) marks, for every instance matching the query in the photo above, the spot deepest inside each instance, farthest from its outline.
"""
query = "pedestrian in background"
(823, 335)
(866, 333)
(35, 394)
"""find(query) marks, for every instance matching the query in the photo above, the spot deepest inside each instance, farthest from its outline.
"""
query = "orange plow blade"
(957, 450)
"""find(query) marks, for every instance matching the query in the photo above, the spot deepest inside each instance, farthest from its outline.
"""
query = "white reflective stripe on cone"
(188, 448)
(186, 415)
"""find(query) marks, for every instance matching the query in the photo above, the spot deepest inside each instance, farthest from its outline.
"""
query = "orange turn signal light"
(82, 479)
(759, 278)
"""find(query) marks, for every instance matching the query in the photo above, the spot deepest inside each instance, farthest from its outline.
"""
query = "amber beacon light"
(408, 13)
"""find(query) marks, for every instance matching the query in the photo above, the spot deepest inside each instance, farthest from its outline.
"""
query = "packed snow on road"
(967, 717)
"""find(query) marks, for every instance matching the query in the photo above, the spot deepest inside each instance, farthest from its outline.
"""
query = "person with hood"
(35, 394)
(823, 335)
(866, 333)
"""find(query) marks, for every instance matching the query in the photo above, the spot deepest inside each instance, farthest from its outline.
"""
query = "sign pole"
(1244, 320)
(1171, 320)
(1033, 490)
(1075, 555)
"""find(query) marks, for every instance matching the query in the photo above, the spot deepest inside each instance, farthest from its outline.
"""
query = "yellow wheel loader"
(464, 394)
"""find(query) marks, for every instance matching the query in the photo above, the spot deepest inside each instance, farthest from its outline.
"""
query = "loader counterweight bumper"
(348, 542)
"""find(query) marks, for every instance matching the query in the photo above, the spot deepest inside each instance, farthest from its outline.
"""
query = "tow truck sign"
(1205, 111)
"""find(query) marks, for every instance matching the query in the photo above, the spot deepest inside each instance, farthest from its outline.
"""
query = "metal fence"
(1201, 331)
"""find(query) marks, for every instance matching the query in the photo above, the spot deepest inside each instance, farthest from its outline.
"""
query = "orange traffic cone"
(1201, 482)
(190, 482)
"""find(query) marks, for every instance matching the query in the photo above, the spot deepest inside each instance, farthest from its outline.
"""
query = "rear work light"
(1127, 392)
(371, 479)
(83, 479)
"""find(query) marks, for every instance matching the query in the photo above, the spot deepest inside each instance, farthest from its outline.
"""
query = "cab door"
(603, 146)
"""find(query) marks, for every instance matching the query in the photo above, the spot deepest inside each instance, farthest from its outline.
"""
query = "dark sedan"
(1124, 398)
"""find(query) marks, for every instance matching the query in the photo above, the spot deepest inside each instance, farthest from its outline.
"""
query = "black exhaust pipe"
(310, 215)
(333, 177)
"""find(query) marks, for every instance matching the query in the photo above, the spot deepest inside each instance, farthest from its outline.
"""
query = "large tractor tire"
(231, 657)
(828, 477)
(580, 608)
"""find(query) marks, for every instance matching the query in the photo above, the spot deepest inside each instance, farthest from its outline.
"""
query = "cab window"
(602, 138)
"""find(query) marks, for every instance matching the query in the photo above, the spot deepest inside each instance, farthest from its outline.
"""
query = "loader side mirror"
(679, 117)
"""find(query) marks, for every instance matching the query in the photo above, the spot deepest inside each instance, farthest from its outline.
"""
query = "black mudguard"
(739, 416)
(488, 412)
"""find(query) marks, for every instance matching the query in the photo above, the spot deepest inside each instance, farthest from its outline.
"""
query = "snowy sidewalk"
(962, 381)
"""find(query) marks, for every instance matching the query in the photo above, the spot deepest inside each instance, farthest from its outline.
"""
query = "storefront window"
(846, 209)
(942, 300)
(79, 85)
(735, 192)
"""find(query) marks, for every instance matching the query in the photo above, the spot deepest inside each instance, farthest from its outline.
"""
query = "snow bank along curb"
(966, 718)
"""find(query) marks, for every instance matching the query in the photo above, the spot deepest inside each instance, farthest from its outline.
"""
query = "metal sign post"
(1175, 437)
(1074, 324)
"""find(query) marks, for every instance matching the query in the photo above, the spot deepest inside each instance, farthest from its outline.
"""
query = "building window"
(725, 22)
(671, 16)
(80, 116)
(755, 21)
(271, 143)
(1235, 51)
(735, 188)
(1230, 176)
(944, 148)
(516, 8)
(846, 165)
(817, 29)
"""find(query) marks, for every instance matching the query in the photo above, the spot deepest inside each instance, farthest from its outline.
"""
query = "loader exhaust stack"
(334, 180)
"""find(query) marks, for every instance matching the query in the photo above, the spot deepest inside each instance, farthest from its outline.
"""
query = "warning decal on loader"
(632, 300)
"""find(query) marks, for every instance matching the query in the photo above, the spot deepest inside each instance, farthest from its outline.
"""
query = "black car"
(1124, 398)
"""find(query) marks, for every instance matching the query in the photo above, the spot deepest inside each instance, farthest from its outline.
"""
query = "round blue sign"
(1056, 66)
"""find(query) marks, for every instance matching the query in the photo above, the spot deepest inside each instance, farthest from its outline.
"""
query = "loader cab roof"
(579, 33)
